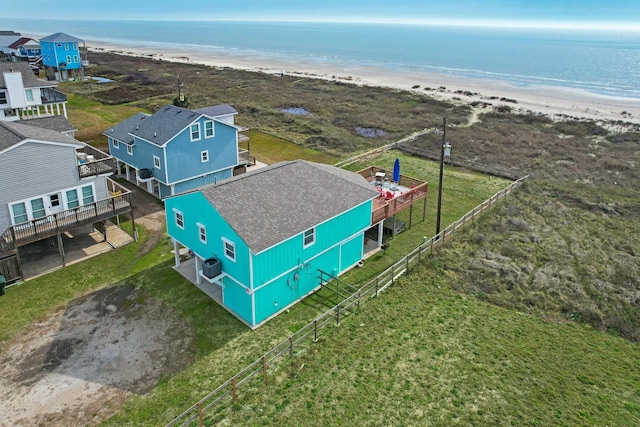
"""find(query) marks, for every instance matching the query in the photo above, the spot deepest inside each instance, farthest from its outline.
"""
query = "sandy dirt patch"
(78, 366)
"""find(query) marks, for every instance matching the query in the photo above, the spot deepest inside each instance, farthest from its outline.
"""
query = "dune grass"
(422, 354)
(271, 149)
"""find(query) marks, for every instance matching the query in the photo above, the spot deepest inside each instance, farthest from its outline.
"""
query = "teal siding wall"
(278, 259)
(196, 209)
(287, 289)
(237, 299)
(351, 252)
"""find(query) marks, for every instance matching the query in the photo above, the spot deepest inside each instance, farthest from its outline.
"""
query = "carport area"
(79, 244)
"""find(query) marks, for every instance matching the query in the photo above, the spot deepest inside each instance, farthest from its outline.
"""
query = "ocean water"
(601, 62)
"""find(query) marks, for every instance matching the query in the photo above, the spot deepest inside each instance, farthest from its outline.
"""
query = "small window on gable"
(130, 150)
(309, 237)
(208, 129)
(204, 156)
(202, 233)
(59, 44)
(179, 218)
(229, 249)
(195, 132)
(115, 143)
(156, 162)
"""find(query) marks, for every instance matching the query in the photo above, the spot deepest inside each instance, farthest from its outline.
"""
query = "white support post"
(380, 231)
(64, 108)
(198, 278)
(176, 250)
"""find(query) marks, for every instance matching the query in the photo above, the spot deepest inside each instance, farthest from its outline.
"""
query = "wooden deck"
(388, 204)
(50, 225)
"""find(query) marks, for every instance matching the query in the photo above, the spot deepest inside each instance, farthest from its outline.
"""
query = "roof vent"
(155, 134)
(111, 130)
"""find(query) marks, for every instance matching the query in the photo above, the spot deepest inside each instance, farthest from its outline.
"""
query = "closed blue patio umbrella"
(396, 170)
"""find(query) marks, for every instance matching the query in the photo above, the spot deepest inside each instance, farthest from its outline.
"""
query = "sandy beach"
(557, 103)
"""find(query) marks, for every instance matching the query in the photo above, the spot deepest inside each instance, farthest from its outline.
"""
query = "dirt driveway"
(77, 366)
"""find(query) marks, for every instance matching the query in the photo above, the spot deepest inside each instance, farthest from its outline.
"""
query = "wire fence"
(308, 334)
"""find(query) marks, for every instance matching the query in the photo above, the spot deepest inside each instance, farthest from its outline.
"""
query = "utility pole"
(444, 136)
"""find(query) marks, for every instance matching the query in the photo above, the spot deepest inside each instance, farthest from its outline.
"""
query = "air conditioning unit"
(211, 267)
(145, 173)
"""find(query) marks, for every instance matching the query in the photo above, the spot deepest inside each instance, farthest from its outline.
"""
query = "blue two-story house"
(175, 149)
(61, 57)
(260, 238)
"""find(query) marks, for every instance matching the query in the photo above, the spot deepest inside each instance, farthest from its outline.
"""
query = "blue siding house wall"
(181, 149)
(271, 230)
(61, 56)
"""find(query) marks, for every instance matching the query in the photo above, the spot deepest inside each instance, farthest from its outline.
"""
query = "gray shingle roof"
(12, 133)
(282, 200)
(164, 124)
(28, 78)
(56, 123)
(122, 131)
(217, 110)
(61, 37)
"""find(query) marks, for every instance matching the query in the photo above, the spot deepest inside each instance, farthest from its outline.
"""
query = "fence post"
(393, 275)
(377, 279)
(264, 369)
(291, 347)
(200, 414)
(315, 331)
(233, 390)
(338, 315)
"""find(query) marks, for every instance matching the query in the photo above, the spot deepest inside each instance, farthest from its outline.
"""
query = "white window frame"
(28, 93)
(191, 132)
(75, 59)
(202, 232)
(75, 46)
(232, 249)
(64, 201)
(309, 233)
(213, 131)
(115, 143)
(204, 156)
(68, 59)
(156, 162)
(176, 214)
(130, 150)
(66, 46)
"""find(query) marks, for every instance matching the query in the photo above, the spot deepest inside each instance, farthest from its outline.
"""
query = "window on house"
(75, 59)
(229, 249)
(179, 218)
(204, 156)
(130, 150)
(19, 211)
(208, 129)
(156, 162)
(87, 195)
(66, 46)
(37, 208)
(75, 46)
(195, 132)
(29, 94)
(309, 237)
(202, 233)
(72, 199)
(3, 97)
(115, 143)
(68, 59)
(59, 44)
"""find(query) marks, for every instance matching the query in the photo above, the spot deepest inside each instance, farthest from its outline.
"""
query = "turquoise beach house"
(61, 57)
(176, 150)
(259, 239)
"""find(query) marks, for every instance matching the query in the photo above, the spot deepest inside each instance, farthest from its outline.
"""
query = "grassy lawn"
(422, 354)
(91, 118)
(270, 149)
